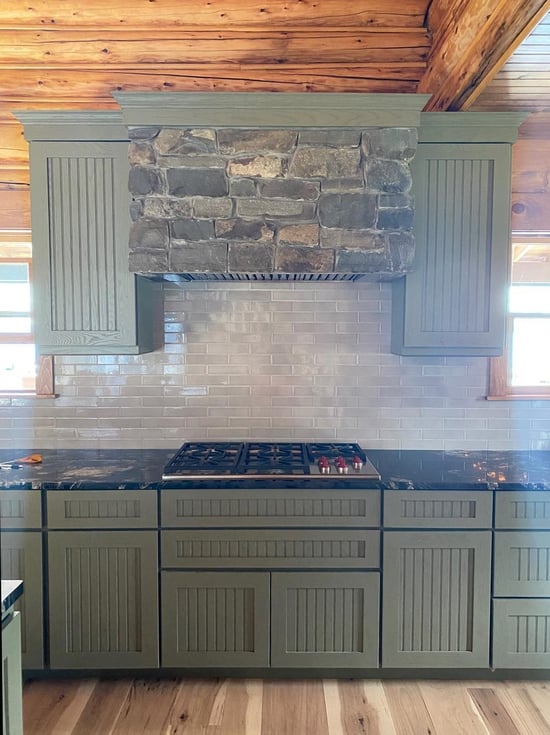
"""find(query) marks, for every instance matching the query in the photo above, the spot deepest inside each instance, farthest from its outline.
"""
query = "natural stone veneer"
(289, 201)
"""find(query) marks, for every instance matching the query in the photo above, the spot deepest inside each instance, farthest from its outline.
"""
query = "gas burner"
(273, 459)
(205, 459)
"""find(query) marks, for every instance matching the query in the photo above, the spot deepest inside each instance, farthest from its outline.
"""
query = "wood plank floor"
(273, 707)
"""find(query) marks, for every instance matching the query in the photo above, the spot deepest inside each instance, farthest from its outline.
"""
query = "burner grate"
(281, 458)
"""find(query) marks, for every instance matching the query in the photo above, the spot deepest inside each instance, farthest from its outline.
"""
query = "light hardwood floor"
(269, 707)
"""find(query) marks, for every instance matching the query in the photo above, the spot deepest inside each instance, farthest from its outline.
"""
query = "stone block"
(189, 257)
(246, 257)
(356, 183)
(362, 239)
(199, 161)
(395, 143)
(242, 188)
(147, 132)
(303, 260)
(255, 141)
(393, 201)
(148, 234)
(330, 138)
(167, 208)
(197, 182)
(305, 235)
(212, 207)
(275, 208)
(192, 229)
(401, 250)
(143, 260)
(363, 261)
(356, 211)
(136, 209)
(140, 153)
(143, 180)
(395, 219)
(289, 189)
(261, 166)
(175, 141)
(240, 229)
(325, 162)
(392, 177)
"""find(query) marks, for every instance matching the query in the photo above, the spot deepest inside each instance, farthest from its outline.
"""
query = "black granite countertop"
(137, 468)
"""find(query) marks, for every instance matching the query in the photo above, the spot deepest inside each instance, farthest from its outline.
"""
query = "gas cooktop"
(285, 460)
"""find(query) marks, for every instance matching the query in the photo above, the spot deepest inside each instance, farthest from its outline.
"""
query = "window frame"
(45, 378)
(500, 387)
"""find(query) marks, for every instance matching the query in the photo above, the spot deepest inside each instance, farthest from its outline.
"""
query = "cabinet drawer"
(20, 509)
(246, 508)
(102, 509)
(522, 510)
(431, 509)
(521, 637)
(270, 549)
(522, 564)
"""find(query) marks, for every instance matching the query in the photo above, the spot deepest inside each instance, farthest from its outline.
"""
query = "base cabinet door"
(521, 634)
(215, 619)
(12, 690)
(103, 599)
(324, 619)
(22, 559)
(436, 599)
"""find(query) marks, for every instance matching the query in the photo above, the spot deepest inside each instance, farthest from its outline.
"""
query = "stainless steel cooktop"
(285, 460)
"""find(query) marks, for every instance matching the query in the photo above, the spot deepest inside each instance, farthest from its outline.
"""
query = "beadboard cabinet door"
(323, 619)
(22, 559)
(453, 302)
(103, 599)
(436, 599)
(88, 301)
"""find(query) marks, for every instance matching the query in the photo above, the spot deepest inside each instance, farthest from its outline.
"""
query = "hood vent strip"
(261, 276)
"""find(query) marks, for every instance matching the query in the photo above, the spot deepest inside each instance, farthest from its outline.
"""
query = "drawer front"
(522, 564)
(102, 509)
(431, 509)
(521, 637)
(20, 509)
(522, 510)
(270, 549)
(247, 508)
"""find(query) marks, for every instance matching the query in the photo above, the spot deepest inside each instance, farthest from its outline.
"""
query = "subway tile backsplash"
(282, 361)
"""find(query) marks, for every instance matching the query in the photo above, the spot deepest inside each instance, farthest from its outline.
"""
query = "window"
(524, 369)
(20, 372)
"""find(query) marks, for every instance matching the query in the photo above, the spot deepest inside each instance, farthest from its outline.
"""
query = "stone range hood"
(271, 186)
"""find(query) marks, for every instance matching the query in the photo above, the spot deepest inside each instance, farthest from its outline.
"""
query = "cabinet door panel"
(521, 634)
(324, 619)
(522, 510)
(103, 596)
(102, 509)
(436, 599)
(432, 509)
(522, 564)
(22, 559)
(20, 509)
(215, 618)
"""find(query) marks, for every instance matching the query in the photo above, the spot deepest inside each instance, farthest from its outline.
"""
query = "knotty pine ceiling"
(71, 54)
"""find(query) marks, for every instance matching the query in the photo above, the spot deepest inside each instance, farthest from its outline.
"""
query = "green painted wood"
(324, 619)
(289, 508)
(12, 684)
(267, 548)
(521, 634)
(522, 564)
(75, 125)
(264, 109)
(21, 556)
(20, 509)
(215, 619)
(454, 300)
(431, 509)
(81, 509)
(529, 510)
(103, 599)
(436, 599)
(470, 127)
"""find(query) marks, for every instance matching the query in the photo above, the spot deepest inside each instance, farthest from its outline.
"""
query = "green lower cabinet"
(521, 634)
(22, 559)
(436, 599)
(215, 619)
(324, 619)
(103, 599)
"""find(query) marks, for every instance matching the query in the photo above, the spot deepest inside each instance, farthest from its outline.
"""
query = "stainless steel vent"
(260, 276)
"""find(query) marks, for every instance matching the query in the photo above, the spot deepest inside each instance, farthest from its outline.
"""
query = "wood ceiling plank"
(215, 13)
(120, 46)
(472, 41)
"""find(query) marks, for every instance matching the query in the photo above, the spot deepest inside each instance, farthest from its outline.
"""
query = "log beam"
(472, 39)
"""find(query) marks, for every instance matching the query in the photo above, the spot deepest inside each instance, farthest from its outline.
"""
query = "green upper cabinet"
(454, 300)
(85, 299)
